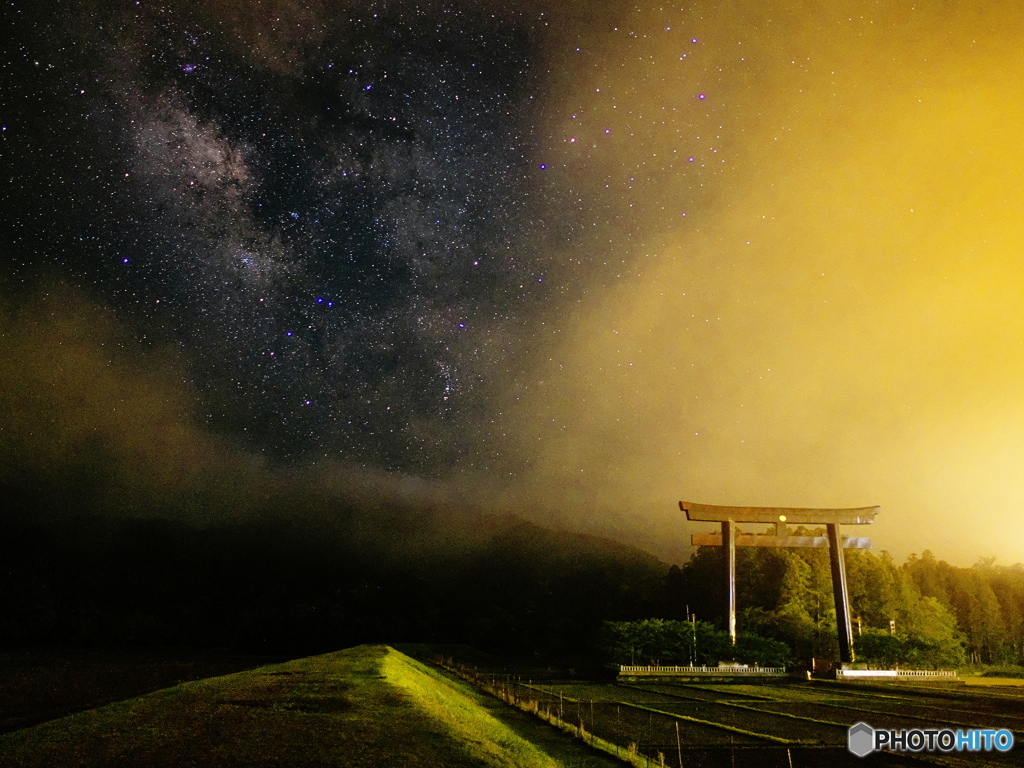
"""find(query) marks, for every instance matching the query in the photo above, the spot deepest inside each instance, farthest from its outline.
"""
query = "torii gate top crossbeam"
(717, 514)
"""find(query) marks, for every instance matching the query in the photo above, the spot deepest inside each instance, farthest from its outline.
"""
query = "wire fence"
(634, 734)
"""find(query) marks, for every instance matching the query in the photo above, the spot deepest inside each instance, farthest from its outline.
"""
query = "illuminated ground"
(366, 706)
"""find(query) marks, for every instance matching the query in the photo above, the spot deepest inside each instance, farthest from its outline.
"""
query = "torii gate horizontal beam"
(767, 540)
(729, 539)
(792, 515)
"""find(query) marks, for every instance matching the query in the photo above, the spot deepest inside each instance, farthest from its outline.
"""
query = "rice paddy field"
(774, 724)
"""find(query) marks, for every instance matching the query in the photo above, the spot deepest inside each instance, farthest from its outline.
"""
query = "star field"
(333, 233)
(587, 258)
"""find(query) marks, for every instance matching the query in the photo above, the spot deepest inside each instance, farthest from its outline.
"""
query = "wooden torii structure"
(781, 516)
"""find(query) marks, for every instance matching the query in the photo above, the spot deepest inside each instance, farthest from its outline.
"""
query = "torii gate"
(780, 516)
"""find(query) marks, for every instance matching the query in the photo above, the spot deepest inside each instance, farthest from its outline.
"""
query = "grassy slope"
(365, 706)
(42, 685)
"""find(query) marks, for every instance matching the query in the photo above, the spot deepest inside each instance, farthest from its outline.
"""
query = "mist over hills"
(127, 522)
(328, 322)
(283, 583)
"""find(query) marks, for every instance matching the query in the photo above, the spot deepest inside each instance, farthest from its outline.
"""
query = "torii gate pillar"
(729, 542)
(780, 516)
(840, 593)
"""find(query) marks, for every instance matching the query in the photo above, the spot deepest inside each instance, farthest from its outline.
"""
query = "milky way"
(584, 259)
(339, 229)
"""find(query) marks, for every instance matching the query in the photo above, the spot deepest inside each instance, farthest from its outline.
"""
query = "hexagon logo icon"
(860, 739)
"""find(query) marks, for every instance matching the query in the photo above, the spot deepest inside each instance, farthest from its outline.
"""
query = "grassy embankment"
(988, 675)
(41, 685)
(365, 706)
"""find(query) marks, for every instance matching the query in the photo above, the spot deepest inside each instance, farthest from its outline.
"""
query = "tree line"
(923, 613)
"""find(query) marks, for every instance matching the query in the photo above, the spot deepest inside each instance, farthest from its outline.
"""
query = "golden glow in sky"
(815, 269)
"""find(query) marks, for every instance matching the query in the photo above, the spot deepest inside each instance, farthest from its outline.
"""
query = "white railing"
(926, 673)
(726, 670)
(897, 673)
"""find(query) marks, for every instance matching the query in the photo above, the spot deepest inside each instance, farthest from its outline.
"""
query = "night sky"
(576, 261)
(327, 207)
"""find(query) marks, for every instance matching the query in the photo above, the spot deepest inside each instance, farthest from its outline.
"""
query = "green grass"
(989, 674)
(41, 685)
(365, 706)
(458, 707)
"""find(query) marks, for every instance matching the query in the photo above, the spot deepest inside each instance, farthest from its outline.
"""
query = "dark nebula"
(330, 209)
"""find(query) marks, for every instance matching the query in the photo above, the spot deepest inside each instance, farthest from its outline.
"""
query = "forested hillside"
(308, 584)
